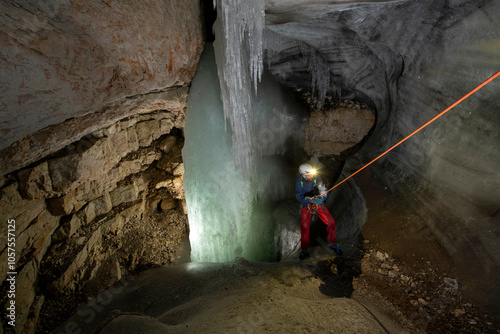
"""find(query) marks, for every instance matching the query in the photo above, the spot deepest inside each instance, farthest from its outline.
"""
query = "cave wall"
(411, 60)
(93, 108)
(107, 205)
(63, 58)
(446, 177)
(63, 61)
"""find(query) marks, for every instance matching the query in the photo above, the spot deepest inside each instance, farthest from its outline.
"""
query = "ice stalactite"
(238, 52)
(320, 74)
(315, 64)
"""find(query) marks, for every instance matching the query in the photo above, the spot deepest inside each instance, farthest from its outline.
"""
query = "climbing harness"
(417, 130)
(313, 208)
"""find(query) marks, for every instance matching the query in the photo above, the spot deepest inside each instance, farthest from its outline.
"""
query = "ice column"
(239, 125)
(216, 193)
(230, 214)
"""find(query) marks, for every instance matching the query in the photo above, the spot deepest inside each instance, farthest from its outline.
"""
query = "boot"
(335, 248)
(304, 255)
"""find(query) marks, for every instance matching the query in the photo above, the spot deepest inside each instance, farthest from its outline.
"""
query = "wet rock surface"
(364, 291)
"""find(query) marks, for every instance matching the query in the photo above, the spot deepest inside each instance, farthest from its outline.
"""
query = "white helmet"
(306, 169)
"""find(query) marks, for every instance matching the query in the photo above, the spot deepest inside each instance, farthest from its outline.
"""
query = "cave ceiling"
(357, 49)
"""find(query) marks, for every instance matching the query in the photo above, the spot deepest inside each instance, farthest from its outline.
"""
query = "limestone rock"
(82, 141)
(145, 131)
(381, 256)
(383, 272)
(77, 220)
(124, 194)
(61, 206)
(333, 132)
(32, 322)
(177, 187)
(63, 282)
(168, 204)
(102, 205)
(41, 48)
(184, 207)
(77, 241)
(138, 162)
(13, 207)
(123, 141)
(178, 170)
(36, 239)
(35, 183)
(64, 172)
(25, 292)
(167, 144)
(393, 274)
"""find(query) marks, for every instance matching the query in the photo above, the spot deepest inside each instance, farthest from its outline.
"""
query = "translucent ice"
(230, 211)
(238, 52)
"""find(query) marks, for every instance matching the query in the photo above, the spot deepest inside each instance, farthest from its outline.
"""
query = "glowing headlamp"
(311, 172)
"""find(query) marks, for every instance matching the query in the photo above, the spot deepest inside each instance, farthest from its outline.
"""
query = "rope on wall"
(484, 83)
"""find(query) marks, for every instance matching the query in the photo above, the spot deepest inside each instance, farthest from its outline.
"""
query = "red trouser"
(305, 221)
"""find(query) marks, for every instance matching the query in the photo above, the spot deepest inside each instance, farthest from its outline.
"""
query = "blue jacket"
(302, 187)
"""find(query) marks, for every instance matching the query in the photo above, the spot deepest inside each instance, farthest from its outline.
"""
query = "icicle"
(320, 77)
(320, 73)
(238, 49)
(275, 44)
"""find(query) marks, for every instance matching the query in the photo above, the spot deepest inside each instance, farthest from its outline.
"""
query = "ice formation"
(240, 125)
(320, 74)
(275, 45)
(238, 52)
(229, 211)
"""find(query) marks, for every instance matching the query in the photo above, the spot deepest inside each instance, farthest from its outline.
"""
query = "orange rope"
(417, 130)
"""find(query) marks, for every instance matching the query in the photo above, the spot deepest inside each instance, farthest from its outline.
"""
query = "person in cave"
(311, 192)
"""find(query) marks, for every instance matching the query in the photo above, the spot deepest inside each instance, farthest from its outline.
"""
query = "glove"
(308, 199)
(317, 200)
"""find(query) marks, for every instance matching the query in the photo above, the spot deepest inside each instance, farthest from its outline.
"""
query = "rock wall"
(335, 132)
(110, 203)
(93, 108)
(65, 58)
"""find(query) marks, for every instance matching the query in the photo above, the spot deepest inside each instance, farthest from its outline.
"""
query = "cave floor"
(353, 293)
(410, 276)
(382, 285)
